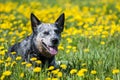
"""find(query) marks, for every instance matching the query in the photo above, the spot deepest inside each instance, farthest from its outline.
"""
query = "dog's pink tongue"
(53, 50)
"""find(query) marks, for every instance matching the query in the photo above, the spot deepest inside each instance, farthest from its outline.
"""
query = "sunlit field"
(90, 44)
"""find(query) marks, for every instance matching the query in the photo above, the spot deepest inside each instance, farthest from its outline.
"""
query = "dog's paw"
(61, 62)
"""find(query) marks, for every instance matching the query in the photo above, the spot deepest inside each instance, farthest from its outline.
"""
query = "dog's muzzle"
(53, 50)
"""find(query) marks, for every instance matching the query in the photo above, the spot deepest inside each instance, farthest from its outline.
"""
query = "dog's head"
(47, 36)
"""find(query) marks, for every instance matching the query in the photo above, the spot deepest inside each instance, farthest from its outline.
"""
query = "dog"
(42, 43)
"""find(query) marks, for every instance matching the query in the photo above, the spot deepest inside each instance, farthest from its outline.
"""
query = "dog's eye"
(46, 33)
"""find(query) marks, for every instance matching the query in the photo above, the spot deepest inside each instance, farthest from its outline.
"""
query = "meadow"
(90, 44)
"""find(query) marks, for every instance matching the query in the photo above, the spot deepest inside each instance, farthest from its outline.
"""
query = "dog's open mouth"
(51, 49)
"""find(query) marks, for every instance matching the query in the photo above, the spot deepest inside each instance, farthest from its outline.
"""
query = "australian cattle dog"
(43, 42)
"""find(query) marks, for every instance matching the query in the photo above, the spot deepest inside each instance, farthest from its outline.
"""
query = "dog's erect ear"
(60, 21)
(34, 22)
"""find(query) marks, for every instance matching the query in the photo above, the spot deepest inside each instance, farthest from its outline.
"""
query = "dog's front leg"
(53, 63)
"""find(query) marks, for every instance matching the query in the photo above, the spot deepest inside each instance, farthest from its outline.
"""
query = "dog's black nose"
(55, 41)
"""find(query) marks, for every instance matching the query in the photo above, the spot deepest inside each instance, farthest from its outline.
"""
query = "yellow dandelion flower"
(103, 36)
(2, 52)
(28, 65)
(74, 49)
(55, 71)
(48, 73)
(86, 50)
(84, 70)
(69, 47)
(115, 71)
(2, 77)
(63, 66)
(86, 26)
(61, 47)
(13, 63)
(7, 64)
(67, 51)
(37, 69)
(90, 37)
(22, 75)
(84, 64)
(51, 68)
(80, 73)
(1, 61)
(1, 47)
(54, 79)
(59, 74)
(13, 53)
(33, 59)
(73, 71)
(7, 73)
(102, 42)
(18, 58)
(69, 40)
(38, 62)
(9, 59)
(108, 78)
(105, 33)
(23, 63)
(93, 72)
(2, 40)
